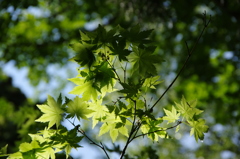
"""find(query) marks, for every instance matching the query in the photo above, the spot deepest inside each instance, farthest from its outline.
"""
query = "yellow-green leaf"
(52, 112)
(198, 129)
(98, 113)
(171, 116)
(79, 108)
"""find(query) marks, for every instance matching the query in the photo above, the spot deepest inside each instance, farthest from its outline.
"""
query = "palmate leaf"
(111, 125)
(33, 150)
(99, 112)
(85, 54)
(84, 88)
(150, 83)
(88, 90)
(153, 130)
(102, 76)
(135, 35)
(118, 48)
(198, 129)
(143, 60)
(171, 116)
(66, 139)
(131, 88)
(79, 108)
(188, 109)
(52, 112)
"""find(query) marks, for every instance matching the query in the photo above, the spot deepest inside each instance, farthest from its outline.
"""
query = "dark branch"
(91, 141)
(179, 122)
(190, 52)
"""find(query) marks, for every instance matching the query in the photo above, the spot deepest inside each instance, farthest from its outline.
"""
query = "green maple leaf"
(152, 129)
(150, 83)
(34, 150)
(143, 60)
(111, 125)
(131, 88)
(98, 113)
(79, 108)
(119, 49)
(102, 76)
(88, 90)
(52, 112)
(103, 36)
(135, 35)
(85, 53)
(188, 109)
(198, 129)
(66, 139)
(84, 88)
(113, 130)
(171, 116)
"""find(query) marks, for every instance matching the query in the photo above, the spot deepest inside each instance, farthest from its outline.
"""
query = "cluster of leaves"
(121, 62)
(188, 112)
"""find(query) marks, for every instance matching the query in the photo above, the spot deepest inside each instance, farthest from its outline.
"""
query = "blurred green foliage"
(36, 34)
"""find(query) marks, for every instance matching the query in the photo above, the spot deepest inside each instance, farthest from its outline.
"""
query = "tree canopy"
(36, 34)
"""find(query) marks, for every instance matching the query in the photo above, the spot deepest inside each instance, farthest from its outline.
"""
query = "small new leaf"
(151, 82)
(171, 116)
(188, 109)
(3, 150)
(198, 129)
(52, 112)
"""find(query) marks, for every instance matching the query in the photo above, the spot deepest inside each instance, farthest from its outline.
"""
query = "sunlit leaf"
(171, 116)
(198, 129)
(52, 112)
(79, 108)
(188, 109)
(99, 111)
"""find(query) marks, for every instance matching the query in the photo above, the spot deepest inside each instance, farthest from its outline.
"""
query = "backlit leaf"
(198, 129)
(188, 109)
(99, 111)
(171, 116)
(51, 112)
(79, 108)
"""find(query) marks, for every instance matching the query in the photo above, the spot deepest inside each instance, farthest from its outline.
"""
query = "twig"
(114, 70)
(133, 129)
(206, 23)
(91, 141)
(179, 122)
(125, 72)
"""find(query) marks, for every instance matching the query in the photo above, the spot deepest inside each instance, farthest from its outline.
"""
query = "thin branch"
(136, 131)
(125, 72)
(133, 129)
(91, 141)
(114, 70)
(206, 23)
(94, 143)
(187, 48)
(179, 122)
